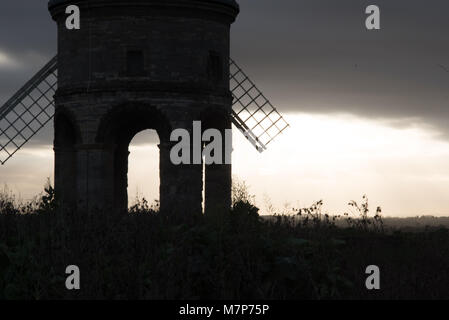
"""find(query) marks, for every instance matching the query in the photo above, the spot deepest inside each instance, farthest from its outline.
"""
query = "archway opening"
(143, 168)
(118, 130)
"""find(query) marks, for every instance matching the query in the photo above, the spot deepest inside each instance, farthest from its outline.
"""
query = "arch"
(123, 122)
(115, 132)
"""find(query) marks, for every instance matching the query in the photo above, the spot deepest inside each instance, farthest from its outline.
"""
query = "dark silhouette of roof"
(233, 3)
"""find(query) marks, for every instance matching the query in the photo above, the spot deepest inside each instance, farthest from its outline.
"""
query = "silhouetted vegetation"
(238, 255)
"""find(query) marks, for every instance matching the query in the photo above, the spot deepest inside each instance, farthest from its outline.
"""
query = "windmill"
(33, 106)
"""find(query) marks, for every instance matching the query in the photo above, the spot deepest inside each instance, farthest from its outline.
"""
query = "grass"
(237, 255)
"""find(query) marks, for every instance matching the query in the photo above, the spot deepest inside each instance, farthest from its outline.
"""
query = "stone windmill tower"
(136, 65)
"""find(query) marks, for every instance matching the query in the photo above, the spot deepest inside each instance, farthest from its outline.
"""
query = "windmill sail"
(28, 111)
(32, 107)
(252, 113)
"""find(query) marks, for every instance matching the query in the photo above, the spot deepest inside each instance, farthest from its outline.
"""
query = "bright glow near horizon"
(341, 158)
(143, 169)
(334, 158)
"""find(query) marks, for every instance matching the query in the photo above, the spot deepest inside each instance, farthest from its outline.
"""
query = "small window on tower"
(215, 66)
(134, 63)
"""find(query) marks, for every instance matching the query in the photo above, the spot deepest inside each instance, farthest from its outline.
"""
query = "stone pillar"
(181, 186)
(65, 161)
(218, 188)
(168, 175)
(218, 182)
(218, 177)
(120, 174)
(65, 177)
(94, 186)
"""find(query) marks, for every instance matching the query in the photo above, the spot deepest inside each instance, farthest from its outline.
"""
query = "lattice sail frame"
(253, 114)
(32, 107)
(28, 111)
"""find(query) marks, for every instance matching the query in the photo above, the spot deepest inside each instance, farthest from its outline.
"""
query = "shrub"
(239, 255)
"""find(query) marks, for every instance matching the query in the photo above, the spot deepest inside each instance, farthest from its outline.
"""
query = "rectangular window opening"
(215, 66)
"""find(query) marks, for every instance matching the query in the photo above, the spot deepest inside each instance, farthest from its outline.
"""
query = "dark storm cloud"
(28, 36)
(317, 56)
(306, 55)
(26, 26)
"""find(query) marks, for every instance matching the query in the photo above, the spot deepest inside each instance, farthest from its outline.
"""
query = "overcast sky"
(306, 55)
(312, 57)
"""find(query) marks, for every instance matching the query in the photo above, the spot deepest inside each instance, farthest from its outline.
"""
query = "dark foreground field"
(142, 255)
